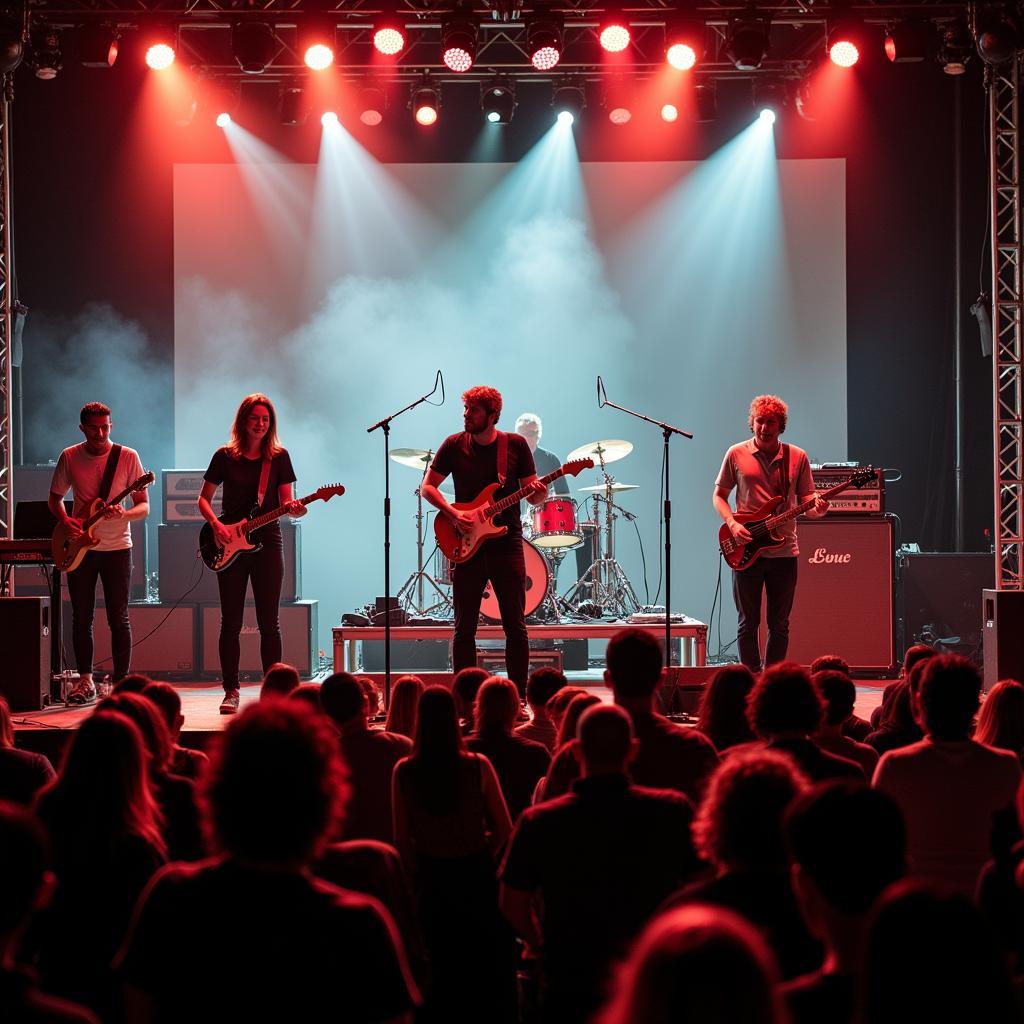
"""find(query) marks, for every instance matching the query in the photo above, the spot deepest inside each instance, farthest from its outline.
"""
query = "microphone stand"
(385, 426)
(667, 430)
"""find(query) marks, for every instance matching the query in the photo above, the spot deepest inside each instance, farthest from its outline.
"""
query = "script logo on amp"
(822, 556)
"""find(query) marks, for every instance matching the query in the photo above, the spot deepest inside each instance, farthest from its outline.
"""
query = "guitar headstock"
(328, 491)
(862, 477)
(577, 466)
(144, 481)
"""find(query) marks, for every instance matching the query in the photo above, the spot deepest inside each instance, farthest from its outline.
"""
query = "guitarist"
(479, 456)
(97, 468)
(257, 473)
(761, 469)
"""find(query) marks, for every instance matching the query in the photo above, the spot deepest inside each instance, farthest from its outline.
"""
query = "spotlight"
(618, 101)
(426, 104)
(845, 43)
(12, 48)
(684, 44)
(329, 118)
(498, 102)
(317, 44)
(705, 99)
(767, 115)
(544, 41)
(318, 57)
(569, 102)
(372, 103)
(160, 50)
(908, 41)
(769, 100)
(458, 43)
(956, 47)
(613, 32)
(98, 46)
(45, 57)
(998, 36)
(669, 112)
(294, 108)
(223, 119)
(747, 42)
(388, 36)
(253, 45)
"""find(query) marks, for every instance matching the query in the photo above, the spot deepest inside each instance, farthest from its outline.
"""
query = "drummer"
(529, 425)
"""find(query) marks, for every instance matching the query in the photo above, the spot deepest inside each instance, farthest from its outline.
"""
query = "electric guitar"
(69, 551)
(761, 524)
(459, 543)
(219, 556)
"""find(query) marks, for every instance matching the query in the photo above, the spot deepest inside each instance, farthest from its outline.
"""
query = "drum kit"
(550, 531)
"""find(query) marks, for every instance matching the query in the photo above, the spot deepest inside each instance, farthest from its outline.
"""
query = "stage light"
(223, 119)
(388, 36)
(684, 44)
(372, 104)
(426, 104)
(613, 32)
(498, 101)
(705, 100)
(329, 119)
(569, 102)
(44, 56)
(767, 115)
(316, 42)
(98, 46)
(160, 49)
(997, 37)
(12, 48)
(747, 42)
(318, 57)
(618, 100)
(294, 107)
(458, 43)
(845, 42)
(909, 41)
(956, 47)
(253, 45)
(544, 41)
(669, 112)
(769, 100)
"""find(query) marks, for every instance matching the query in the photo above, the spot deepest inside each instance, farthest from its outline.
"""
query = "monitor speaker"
(1002, 629)
(25, 623)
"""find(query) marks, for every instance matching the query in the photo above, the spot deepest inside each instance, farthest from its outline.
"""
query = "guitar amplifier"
(181, 488)
(867, 500)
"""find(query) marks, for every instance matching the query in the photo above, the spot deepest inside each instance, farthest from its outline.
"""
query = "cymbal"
(598, 488)
(414, 458)
(612, 451)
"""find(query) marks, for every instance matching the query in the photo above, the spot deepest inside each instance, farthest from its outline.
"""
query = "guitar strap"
(109, 469)
(785, 472)
(502, 457)
(261, 492)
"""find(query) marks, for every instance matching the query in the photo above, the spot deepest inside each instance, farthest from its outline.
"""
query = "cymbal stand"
(411, 596)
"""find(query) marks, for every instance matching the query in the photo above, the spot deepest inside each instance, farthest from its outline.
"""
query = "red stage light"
(843, 53)
(389, 40)
(669, 112)
(426, 114)
(160, 56)
(545, 58)
(457, 59)
(681, 56)
(615, 35)
(318, 57)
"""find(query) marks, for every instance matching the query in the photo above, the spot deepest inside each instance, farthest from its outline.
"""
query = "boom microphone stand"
(667, 430)
(385, 426)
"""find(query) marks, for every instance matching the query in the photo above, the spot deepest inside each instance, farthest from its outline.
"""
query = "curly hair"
(489, 398)
(784, 700)
(769, 405)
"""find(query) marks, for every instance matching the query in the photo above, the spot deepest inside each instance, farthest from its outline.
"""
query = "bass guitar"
(69, 551)
(218, 556)
(459, 543)
(761, 524)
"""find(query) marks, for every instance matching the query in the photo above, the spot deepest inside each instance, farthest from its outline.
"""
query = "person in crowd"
(722, 716)
(930, 957)
(854, 727)
(786, 711)
(372, 696)
(405, 699)
(565, 765)
(838, 695)
(950, 788)
(307, 694)
(1000, 893)
(583, 873)
(520, 763)
(557, 705)
(846, 844)
(134, 682)
(26, 886)
(185, 761)
(279, 681)
(450, 823)
(22, 772)
(371, 756)
(738, 831)
(913, 654)
(1001, 719)
(291, 944)
(175, 795)
(676, 970)
(465, 686)
(105, 833)
(897, 726)
(542, 685)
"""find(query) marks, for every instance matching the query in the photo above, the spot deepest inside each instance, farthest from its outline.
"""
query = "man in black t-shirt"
(471, 457)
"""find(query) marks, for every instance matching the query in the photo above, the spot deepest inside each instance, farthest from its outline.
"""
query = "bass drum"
(537, 575)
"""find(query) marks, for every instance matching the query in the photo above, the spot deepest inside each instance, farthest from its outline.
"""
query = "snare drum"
(554, 524)
(537, 575)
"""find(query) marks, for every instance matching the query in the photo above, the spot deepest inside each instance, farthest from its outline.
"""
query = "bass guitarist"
(257, 473)
(761, 469)
(97, 468)
(479, 456)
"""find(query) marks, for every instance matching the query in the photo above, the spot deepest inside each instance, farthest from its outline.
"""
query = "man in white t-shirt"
(81, 469)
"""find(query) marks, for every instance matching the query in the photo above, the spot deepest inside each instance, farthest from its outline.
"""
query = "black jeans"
(502, 562)
(776, 577)
(266, 570)
(114, 570)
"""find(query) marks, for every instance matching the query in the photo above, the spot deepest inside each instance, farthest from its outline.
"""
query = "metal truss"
(1007, 332)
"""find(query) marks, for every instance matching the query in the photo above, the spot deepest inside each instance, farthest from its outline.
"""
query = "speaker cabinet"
(25, 625)
(940, 598)
(298, 639)
(181, 568)
(844, 593)
(1002, 629)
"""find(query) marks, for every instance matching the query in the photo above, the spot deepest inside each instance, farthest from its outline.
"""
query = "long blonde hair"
(271, 446)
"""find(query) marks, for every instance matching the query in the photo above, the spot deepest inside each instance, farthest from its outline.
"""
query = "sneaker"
(229, 705)
(83, 692)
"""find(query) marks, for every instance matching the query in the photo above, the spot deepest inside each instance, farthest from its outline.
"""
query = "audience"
(405, 698)
(738, 831)
(519, 762)
(856, 728)
(949, 787)
(307, 694)
(913, 655)
(371, 756)
(565, 766)
(465, 686)
(450, 824)
(897, 726)
(722, 716)
(1001, 719)
(583, 873)
(838, 695)
(279, 681)
(134, 682)
(700, 964)
(184, 761)
(22, 773)
(540, 688)
(251, 934)
(557, 705)
(372, 696)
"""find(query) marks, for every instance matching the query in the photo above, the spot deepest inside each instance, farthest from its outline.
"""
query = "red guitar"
(761, 524)
(460, 544)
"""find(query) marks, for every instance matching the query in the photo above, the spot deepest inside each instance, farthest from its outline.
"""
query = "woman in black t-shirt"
(239, 466)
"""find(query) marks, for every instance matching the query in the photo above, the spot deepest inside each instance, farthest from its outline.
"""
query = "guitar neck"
(116, 500)
(514, 499)
(784, 517)
(269, 517)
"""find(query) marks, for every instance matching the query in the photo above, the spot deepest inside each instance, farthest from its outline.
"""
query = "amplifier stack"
(868, 500)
